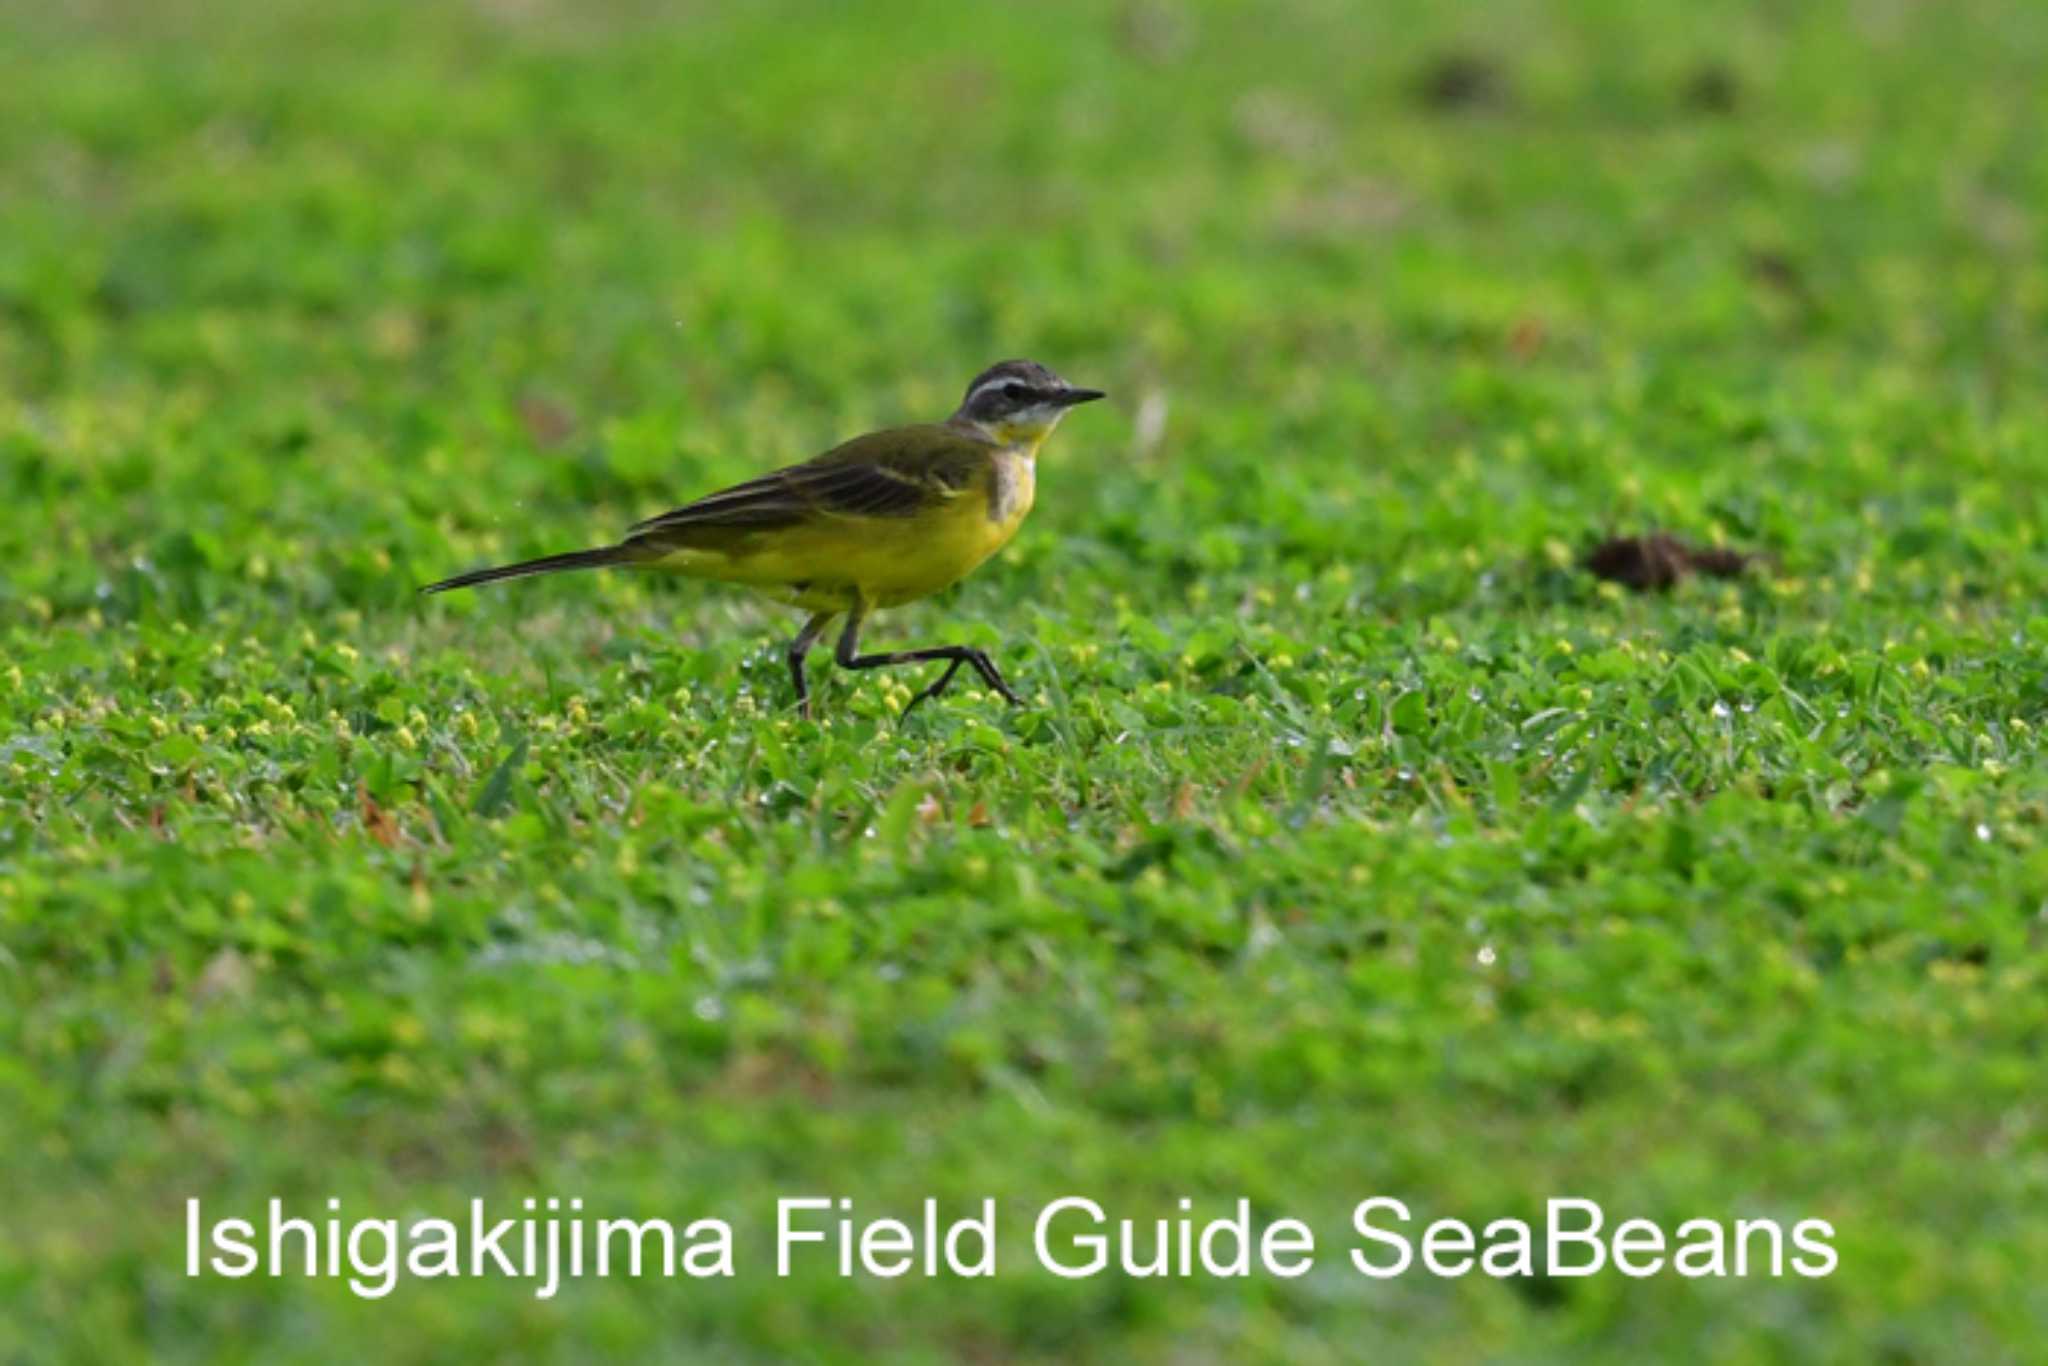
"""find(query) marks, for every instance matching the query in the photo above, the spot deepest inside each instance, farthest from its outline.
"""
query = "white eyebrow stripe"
(998, 382)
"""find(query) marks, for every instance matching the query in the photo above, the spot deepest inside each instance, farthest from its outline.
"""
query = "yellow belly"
(881, 561)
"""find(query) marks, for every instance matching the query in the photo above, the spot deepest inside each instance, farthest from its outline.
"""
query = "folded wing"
(895, 473)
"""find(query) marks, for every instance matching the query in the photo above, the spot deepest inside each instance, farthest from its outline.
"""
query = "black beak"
(1070, 396)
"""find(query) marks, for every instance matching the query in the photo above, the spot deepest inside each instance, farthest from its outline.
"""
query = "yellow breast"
(911, 559)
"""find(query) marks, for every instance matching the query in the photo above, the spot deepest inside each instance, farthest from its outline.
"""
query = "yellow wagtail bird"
(884, 519)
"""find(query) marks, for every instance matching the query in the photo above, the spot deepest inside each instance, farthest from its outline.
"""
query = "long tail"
(546, 564)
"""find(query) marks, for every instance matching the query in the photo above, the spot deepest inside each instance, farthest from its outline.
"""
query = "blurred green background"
(1355, 841)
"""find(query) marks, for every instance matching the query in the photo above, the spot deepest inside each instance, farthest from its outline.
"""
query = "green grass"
(1353, 842)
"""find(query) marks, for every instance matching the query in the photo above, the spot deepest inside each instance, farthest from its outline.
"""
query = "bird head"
(1019, 402)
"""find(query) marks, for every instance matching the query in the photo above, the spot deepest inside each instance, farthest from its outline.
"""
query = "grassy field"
(1354, 840)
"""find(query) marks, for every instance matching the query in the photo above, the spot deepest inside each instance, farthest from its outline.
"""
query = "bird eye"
(1015, 392)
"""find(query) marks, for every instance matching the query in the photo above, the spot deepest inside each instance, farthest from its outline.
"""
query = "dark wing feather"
(895, 473)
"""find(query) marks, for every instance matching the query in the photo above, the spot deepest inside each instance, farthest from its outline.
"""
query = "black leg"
(798, 648)
(847, 656)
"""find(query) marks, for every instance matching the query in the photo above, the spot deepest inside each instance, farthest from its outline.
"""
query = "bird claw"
(996, 685)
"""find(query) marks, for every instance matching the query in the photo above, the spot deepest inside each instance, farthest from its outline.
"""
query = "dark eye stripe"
(1008, 392)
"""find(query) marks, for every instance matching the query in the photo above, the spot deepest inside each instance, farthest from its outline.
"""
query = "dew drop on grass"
(709, 1009)
(1721, 712)
(1473, 694)
(1748, 707)
(1485, 955)
(1405, 775)
(1983, 833)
